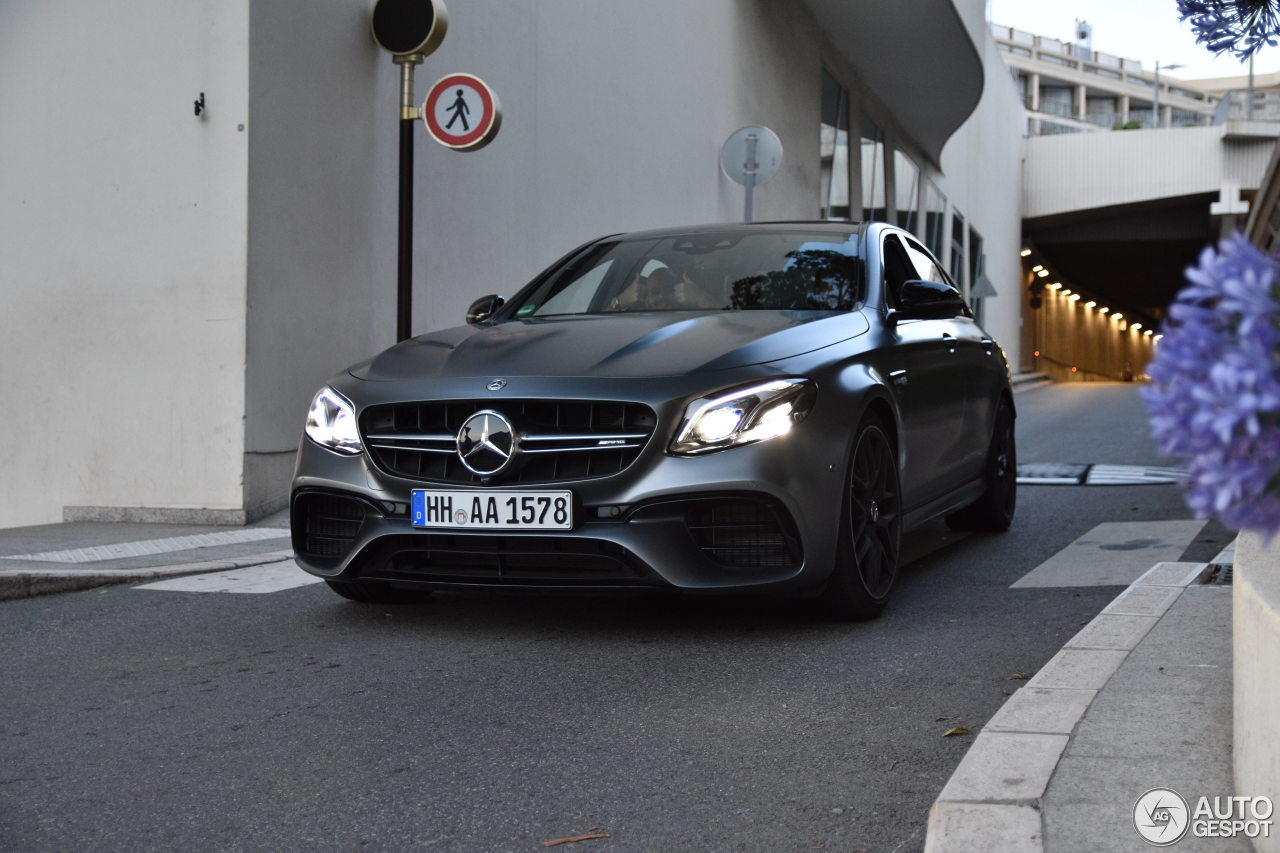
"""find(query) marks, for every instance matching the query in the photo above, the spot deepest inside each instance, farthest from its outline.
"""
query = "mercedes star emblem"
(486, 443)
(497, 385)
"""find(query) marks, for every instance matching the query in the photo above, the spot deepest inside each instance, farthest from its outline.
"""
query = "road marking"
(273, 577)
(1059, 474)
(155, 546)
(1114, 554)
(1132, 475)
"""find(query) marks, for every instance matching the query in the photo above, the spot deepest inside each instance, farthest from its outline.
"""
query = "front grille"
(512, 559)
(745, 534)
(326, 525)
(560, 439)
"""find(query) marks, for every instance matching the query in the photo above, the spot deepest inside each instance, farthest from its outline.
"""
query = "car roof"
(746, 228)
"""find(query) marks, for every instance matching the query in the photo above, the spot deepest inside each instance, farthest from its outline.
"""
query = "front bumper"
(667, 522)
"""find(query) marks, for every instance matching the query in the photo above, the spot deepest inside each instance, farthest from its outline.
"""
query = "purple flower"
(1214, 396)
(1240, 27)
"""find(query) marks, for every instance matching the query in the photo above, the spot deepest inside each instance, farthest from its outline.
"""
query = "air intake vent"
(326, 525)
(745, 534)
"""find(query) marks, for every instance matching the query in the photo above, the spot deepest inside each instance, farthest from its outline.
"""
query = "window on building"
(935, 209)
(957, 249)
(834, 149)
(906, 177)
(873, 194)
(980, 287)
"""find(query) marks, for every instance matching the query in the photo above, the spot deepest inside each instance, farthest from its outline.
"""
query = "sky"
(1146, 30)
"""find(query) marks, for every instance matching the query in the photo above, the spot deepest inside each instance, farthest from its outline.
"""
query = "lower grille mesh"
(326, 525)
(744, 534)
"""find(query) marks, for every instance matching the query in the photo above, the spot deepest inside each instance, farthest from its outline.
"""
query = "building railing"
(1073, 56)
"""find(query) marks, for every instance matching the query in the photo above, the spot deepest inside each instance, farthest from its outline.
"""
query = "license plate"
(460, 510)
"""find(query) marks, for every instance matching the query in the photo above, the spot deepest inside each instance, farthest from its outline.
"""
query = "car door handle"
(989, 345)
(949, 340)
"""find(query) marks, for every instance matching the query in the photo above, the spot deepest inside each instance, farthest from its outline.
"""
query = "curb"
(1029, 382)
(992, 800)
(26, 583)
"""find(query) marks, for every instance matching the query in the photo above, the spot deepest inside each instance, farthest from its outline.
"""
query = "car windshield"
(707, 271)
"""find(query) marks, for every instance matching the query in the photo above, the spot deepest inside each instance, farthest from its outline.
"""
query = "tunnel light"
(1103, 310)
(1090, 304)
(1117, 316)
(1066, 292)
(1037, 268)
(1057, 285)
(1043, 273)
(1025, 252)
(1075, 297)
(1147, 333)
(1135, 326)
(1157, 337)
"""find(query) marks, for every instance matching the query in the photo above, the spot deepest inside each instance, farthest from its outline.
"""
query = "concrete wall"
(1084, 171)
(122, 229)
(613, 118)
(1255, 661)
(177, 287)
(982, 169)
(322, 184)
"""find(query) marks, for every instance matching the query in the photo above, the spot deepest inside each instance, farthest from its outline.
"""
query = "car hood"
(613, 345)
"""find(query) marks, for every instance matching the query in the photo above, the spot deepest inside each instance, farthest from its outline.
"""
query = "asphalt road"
(144, 720)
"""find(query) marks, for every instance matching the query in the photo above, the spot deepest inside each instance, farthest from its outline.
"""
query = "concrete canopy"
(916, 55)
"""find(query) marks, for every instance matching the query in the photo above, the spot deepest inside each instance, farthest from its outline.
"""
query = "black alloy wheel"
(993, 512)
(870, 546)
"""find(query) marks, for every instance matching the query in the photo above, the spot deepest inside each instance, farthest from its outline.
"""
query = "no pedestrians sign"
(461, 112)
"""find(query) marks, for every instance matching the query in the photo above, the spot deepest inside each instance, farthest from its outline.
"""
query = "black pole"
(404, 287)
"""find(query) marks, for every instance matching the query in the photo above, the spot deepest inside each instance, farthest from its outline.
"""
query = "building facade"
(1070, 88)
(180, 282)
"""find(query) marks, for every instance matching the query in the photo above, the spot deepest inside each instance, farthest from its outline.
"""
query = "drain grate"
(1220, 573)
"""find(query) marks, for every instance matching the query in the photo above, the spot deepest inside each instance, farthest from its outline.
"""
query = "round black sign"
(409, 26)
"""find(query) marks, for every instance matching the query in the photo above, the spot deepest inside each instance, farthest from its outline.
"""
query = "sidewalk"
(1139, 699)
(82, 555)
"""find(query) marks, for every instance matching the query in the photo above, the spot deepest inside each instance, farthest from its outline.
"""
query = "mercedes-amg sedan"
(730, 408)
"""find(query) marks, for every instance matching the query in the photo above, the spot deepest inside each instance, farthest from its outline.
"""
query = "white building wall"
(324, 110)
(982, 168)
(613, 118)
(1086, 171)
(122, 233)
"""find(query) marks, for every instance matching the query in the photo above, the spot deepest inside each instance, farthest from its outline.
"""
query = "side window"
(575, 296)
(897, 269)
(924, 263)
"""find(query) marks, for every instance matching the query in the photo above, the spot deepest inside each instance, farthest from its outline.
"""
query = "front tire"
(993, 512)
(870, 546)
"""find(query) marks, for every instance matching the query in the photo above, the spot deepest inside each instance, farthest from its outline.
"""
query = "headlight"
(744, 416)
(331, 423)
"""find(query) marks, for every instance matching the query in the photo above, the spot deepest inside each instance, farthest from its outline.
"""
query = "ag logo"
(1161, 817)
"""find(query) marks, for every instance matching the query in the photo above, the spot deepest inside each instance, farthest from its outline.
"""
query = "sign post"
(750, 156)
(410, 30)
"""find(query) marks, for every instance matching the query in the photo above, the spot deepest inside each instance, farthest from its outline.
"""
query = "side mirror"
(484, 308)
(929, 300)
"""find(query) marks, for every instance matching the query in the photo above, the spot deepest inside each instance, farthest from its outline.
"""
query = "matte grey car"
(732, 408)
